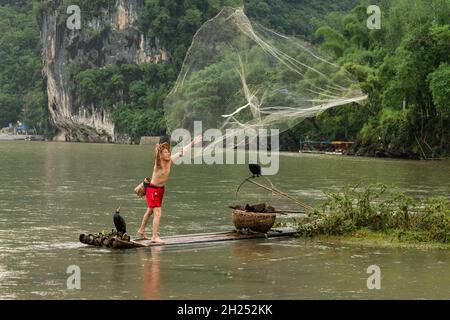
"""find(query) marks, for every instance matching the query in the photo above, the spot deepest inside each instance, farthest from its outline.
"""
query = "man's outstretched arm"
(180, 153)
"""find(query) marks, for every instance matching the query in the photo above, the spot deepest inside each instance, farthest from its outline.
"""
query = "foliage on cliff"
(138, 96)
(133, 93)
(22, 94)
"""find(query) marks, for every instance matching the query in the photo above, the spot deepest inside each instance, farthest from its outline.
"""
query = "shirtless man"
(154, 191)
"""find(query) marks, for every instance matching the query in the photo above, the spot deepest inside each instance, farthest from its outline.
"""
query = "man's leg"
(147, 215)
(156, 219)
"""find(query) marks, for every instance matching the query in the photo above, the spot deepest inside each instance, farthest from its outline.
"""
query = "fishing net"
(239, 74)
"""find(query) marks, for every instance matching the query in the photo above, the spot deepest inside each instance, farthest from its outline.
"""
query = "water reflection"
(118, 269)
(250, 273)
(151, 278)
(250, 251)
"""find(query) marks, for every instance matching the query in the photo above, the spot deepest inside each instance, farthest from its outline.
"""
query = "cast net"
(239, 74)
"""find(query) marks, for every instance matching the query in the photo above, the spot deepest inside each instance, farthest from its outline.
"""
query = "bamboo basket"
(140, 189)
(259, 222)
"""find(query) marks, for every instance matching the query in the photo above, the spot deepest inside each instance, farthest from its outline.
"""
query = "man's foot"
(157, 240)
(142, 235)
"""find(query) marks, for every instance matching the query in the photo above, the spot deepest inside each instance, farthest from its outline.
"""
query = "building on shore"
(325, 146)
(20, 131)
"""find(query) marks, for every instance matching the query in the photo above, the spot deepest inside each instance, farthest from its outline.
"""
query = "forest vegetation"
(404, 67)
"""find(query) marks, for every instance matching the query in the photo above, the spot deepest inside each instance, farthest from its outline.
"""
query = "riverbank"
(152, 140)
(369, 238)
(374, 215)
(369, 155)
(21, 137)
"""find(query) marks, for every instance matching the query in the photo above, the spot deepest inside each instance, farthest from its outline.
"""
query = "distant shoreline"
(21, 137)
(5, 137)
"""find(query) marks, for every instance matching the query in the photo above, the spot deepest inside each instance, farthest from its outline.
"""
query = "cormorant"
(255, 169)
(119, 222)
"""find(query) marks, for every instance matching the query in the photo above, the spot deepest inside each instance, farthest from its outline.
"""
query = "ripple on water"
(9, 277)
(298, 267)
(358, 256)
(284, 258)
(41, 246)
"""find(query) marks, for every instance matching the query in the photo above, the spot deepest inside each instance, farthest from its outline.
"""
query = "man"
(154, 189)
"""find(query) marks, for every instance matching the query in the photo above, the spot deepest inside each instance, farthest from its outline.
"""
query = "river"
(51, 192)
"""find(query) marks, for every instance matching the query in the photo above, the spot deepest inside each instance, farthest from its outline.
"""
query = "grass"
(373, 215)
(370, 238)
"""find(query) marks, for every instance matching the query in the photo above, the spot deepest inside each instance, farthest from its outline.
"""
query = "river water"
(52, 192)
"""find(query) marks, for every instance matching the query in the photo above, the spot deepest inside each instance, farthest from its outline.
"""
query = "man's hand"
(181, 153)
(196, 140)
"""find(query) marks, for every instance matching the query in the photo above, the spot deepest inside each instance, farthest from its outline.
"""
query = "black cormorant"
(255, 169)
(119, 222)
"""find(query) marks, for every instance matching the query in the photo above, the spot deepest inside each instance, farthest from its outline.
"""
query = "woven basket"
(140, 190)
(259, 222)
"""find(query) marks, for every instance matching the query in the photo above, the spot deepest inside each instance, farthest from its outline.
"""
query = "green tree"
(402, 68)
(440, 89)
(22, 95)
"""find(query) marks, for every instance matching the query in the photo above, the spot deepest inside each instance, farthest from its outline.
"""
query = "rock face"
(109, 37)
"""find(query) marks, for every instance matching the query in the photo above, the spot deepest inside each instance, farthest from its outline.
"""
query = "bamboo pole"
(301, 204)
(277, 212)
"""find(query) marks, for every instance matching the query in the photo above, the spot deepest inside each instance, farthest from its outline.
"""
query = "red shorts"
(154, 196)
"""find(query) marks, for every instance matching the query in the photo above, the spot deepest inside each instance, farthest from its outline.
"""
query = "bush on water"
(375, 208)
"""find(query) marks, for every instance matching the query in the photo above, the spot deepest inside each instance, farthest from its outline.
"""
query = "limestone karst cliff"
(110, 36)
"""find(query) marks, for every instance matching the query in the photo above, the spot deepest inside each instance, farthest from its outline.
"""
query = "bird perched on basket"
(119, 222)
(255, 169)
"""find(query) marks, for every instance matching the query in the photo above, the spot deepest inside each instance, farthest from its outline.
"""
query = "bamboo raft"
(194, 238)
